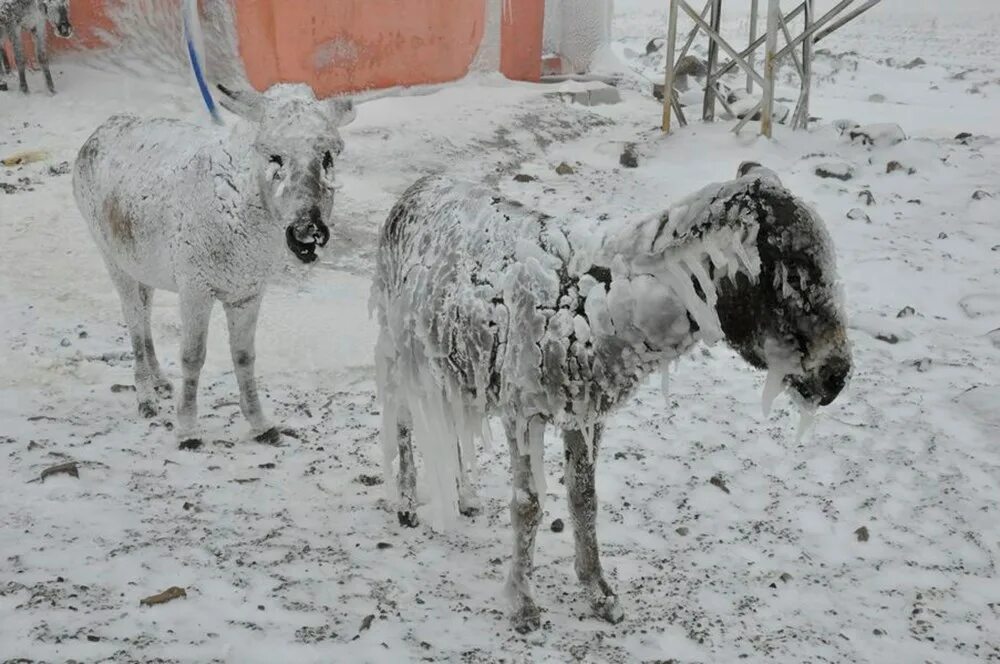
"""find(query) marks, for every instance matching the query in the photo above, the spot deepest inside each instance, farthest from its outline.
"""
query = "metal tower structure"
(813, 30)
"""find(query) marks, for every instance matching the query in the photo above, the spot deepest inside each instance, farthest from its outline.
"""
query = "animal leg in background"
(242, 320)
(137, 302)
(407, 479)
(18, 45)
(525, 514)
(196, 310)
(579, 469)
(4, 62)
(42, 52)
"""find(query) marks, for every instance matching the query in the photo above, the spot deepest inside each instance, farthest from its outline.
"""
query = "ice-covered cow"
(206, 212)
(488, 308)
(19, 15)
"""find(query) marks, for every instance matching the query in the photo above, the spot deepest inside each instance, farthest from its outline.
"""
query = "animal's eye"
(277, 160)
(327, 161)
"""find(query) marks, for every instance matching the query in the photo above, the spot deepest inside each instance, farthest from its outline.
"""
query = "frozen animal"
(488, 308)
(19, 15)
(206, 212)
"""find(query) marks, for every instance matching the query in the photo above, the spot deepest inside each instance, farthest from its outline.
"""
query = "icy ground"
(877, 540)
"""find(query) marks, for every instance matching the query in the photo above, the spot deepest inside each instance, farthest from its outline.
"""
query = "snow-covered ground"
(289, 554)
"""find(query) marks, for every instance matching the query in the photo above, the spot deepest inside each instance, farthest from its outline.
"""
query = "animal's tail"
(194, 45)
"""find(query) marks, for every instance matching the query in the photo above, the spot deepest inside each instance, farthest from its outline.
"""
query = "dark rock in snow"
(717, 481)
(682, 531)
(369, 480)
(906, 312)
(654, 45)
(876, 98)
(888, 338)
(894, 166)
(914, 63)
(118, 387)
(60, 169)
(862, 534)
(979, 195)
(565, 169)
(877, 135)
(963, 137)
(859, 214)
(838, 171)
(629, 158)
(942, 235)
(383, 545)
(691, 65)
(866, 197)
(524, 177)
(558, 526)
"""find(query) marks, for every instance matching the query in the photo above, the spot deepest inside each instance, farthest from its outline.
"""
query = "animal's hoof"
(272, 436)
(607, 608)
(527, 618)
(147, 409)
(470, 510)
(190, 444)
(408, 519)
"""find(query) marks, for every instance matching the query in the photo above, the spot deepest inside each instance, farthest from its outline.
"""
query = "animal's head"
(296, 146)
(57, 13)
(790, 319)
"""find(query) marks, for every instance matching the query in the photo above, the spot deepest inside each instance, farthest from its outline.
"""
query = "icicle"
(536, 451)
(718, 258)
(665, 378)
(773, 386)
(707, 285)
(704, 315)
(588, 438)
(807, 421)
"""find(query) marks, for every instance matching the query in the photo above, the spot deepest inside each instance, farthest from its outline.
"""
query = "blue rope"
(199, 74)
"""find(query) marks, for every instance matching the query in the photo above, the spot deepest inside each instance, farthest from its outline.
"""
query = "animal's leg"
(407, 478)
(135, 308)
(583, 513)
(42, 54)
(525, 514)
(4, 62)
(196, 310)
(19, 59)
(242, 319)
(163, 386)
(468, 501)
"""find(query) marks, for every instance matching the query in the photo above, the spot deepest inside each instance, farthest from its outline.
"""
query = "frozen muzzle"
(63, 27)
(305, 235)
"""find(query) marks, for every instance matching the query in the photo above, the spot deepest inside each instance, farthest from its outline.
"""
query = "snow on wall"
(577, 29)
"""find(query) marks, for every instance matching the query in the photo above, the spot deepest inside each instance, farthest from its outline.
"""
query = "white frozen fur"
(488, 309)
(206, 212)
(17, 16)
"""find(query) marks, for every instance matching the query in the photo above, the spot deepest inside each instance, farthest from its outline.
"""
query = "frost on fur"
(207, 213)
(488, 308)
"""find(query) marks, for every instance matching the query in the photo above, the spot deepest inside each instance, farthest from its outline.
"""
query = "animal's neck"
(667, 269)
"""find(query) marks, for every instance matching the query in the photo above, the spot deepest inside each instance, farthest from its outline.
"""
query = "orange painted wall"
(521, 39)
(344, 45)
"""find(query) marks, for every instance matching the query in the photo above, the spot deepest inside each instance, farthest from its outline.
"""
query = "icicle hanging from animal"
(487, 308)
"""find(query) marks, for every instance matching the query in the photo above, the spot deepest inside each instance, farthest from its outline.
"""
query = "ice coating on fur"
(207, 213)
(489, 308)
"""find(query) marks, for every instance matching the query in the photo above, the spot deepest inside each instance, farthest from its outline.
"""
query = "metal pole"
(668, 81)
(729, 66)
(752, 57)
(847, 19)
(801, 118)
(820, 22)
(708, 112)
(723, 44)
(767, 105)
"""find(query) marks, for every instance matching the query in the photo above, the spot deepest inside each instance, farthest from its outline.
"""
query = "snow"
(910, 454)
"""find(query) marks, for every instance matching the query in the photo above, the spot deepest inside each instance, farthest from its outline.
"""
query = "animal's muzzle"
(303, 237)
(64, 28)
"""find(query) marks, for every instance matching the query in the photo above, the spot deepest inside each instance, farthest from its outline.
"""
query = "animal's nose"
(319, 231)
(833, 378)
(65, 30)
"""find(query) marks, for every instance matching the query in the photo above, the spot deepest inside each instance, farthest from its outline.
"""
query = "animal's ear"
(342, 109)
(247, 104)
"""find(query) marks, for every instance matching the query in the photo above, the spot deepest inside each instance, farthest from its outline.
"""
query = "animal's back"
(131, 180)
